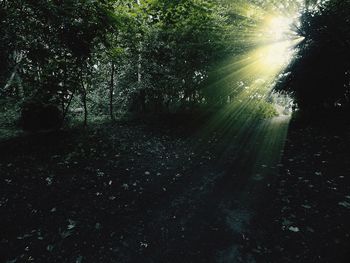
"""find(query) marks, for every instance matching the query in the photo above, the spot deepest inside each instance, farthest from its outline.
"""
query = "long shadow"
(223, 194)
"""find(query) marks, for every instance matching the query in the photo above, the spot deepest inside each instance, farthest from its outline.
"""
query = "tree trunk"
(83, 98)
(139, 66)
(85, 107)
(15, 75)
(111, 92)
(66, 107)
(64, 87)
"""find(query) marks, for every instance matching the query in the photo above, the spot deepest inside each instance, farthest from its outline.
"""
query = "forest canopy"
(107, 57)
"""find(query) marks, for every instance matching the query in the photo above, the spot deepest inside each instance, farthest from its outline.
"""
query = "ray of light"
(253, 117)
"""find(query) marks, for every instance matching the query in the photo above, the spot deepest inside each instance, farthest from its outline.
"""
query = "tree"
(319, 75)
(47, 46)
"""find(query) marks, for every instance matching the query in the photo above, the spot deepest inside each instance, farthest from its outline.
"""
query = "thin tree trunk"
(83, 98)
(142, 95)
(15, 75)
(111, 92)
(85, 107)
(66, 108)
(64, 87)
(139, 67)
(10, 80)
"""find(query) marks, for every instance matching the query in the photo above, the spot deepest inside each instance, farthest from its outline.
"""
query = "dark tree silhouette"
(319, 75)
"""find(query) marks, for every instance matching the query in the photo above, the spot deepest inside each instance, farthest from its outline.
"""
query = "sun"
(278, 43)
(279, 27)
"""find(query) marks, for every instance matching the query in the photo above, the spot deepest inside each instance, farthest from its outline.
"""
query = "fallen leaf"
(294, 229)
(345, 204)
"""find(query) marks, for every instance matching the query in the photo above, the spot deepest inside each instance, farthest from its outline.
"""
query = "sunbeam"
(254, 115)
(249, 77)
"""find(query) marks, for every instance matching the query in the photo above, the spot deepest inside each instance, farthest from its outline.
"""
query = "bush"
(36, 116)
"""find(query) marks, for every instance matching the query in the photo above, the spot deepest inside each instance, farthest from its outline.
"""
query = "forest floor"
(128, 192)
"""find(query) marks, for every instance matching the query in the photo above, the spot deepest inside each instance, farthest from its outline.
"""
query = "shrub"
(36, 116)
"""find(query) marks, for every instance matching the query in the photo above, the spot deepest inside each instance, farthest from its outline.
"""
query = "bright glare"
(277, 54)
(279, 43)
(279, 27)
(274, 57)
(249, 77)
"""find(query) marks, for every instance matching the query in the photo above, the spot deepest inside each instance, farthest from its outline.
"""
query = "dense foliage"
(320, 76)
(110, 56)
(139, 56)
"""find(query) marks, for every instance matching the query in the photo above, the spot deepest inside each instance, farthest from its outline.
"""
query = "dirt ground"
(129, 192)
